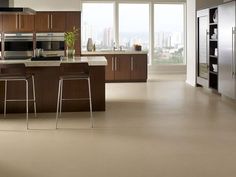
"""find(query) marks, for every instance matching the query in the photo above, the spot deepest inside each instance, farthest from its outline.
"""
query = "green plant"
(70, 38)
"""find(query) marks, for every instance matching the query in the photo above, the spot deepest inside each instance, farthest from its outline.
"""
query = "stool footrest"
(75, 99)
(20, 100)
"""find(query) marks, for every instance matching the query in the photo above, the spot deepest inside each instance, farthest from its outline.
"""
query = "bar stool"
(17, 72)
(70, 72)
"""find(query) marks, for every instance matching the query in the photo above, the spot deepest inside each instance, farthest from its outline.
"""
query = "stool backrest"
(13, 69)
(74, 69)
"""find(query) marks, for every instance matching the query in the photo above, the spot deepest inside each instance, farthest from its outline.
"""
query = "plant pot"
(70, 53)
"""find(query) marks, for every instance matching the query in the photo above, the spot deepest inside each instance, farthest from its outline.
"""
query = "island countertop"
(111, 52)
(92, 61)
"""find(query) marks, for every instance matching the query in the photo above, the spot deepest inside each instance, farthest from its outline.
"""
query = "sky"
(135, 16)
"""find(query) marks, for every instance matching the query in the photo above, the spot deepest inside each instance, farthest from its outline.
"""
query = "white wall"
(191, 44)
(50, 5)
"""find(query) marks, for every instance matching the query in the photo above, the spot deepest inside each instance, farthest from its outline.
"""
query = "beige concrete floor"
(163, 128)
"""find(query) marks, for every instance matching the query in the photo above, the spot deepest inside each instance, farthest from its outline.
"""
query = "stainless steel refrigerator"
(227, 49)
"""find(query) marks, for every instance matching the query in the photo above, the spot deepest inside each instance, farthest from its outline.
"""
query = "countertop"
(92, 61)
(128, 52)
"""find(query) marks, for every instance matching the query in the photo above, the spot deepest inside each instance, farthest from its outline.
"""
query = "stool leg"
(33, 85)
(61, 96)
(27, 103)
(58, 101)
(5, 99)
(90, 103)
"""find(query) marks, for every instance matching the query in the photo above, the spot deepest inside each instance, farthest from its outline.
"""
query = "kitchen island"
(46, 75)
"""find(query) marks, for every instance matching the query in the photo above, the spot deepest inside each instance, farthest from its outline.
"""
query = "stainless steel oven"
(18, 45)
(51, 43)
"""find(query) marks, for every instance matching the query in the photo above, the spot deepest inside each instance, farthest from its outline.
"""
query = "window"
(168, 34)
(134, 25)
(97, 23)
(113, 23)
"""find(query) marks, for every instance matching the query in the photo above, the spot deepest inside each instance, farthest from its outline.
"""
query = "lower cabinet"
(126, 68)
(138, 67)
(122, 67)
(110, 74)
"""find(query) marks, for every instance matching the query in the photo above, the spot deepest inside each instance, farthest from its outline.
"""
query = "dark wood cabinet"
(73, 19)
(122, 67)
(110, 74)
(125, 67)
(17, 23)
(58, 21)
(0, 23)
(50, 21)
(138, 67)
(26, 23)
(42, 20)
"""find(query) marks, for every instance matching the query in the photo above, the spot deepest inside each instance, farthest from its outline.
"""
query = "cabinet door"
(227, 58)
(203, 47)
(26, 23)
(110, 75)
(58, 21)
(73, 19)
(122, 67)
(139, 67)
(42, 22)
(10, 23)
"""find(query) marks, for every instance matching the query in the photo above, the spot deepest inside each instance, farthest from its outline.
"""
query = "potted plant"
(70, 38)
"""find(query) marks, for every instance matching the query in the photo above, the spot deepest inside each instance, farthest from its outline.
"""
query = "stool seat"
(14, 77)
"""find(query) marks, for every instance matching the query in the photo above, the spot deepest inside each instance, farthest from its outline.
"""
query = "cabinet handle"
(132, 63)
(233, 53)
(21, 22)
(16, 21)
(51, 21)
(48, 21)
(115, 63)
(207, 48)
(112, 66)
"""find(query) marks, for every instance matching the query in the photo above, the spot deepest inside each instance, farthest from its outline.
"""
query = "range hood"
(6, 7)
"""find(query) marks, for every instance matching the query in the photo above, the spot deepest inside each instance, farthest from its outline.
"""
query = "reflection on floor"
(163, 128)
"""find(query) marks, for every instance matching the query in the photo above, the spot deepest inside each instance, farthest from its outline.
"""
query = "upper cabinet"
(50, 21)
(17, 23)
(73, 19)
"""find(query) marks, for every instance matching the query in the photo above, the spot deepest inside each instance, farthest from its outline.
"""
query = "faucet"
(114, 46)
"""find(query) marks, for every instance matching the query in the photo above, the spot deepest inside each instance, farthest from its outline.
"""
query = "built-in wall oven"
(51, 43)
(18, 45)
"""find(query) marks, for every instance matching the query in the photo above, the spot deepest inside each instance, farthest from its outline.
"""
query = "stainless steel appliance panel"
(227, 49)
(203, 46)
(18, 45)
(51, 43)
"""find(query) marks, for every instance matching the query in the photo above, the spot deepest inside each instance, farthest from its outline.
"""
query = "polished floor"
(163, 128)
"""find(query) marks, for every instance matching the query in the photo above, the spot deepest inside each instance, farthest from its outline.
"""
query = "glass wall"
(168, 34)
(134, 25)
(129, 24)
(97, 23)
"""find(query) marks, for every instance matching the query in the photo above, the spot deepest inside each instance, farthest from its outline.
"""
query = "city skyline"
(134, 28)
